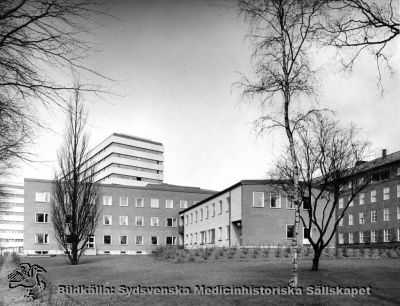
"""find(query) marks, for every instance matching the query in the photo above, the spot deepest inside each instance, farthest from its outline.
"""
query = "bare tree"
(330, 161)
(282, 32)
(75, 207)
(42, 44)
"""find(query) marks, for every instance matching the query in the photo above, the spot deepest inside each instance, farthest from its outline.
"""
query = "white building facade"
(11, 217)
(128, 160)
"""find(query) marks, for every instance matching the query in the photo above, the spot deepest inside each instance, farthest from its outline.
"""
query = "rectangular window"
(139, 221)
(351, 203)
(341, 239)
(170, 240)
(139, 240)
(306, 203)
(398, 213)
(306, 235)
(350, 184)
(195, 237)
(154, 203)
(386, 235)
(273, 201)
(374, 236)
(201, 214)
(398, 191)
(169, 204)
(107, 239)
(171, 222)
(258, 199)
(289, 231)
(206, 212)
(154, 221)
(42, 238)
(123, 240)
(341, 203)
(386, 214)
(398, 171)
(220, 207)
(213, 210)
(373, 196)
(154, 240)
(139, 202)
(186, 220)
(42, 218)
(361, 237)
(42, 197)
(373, 216)
(341, 222)
(123, 201)
(289, 203)
(123, 220)
(107, 200)
(220, 234)
(91, 242)
(195, 216)
(351, 219)
(362, 198)
(183, 204)
(107, 220)
(228, 204)
(191, 218)
(227, 235)
(361, 217)
(386, 193)
(351, 238)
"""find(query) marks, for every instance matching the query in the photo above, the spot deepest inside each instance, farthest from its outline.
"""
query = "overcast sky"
(176, 62)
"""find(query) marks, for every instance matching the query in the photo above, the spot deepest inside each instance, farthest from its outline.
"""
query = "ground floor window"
(90, 243)
(374, 236)
(341, 239)
(361, 237)
(386, 235)
(139, 240)
(107, 239)
(351, 238)
(289, 231)
(154, 240)
(123, 240)
(170, 240)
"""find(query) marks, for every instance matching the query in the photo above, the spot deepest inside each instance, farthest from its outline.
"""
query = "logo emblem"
(30, 277)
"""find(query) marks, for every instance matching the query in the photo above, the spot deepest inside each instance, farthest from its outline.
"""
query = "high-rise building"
(11, 217)
(128, 160)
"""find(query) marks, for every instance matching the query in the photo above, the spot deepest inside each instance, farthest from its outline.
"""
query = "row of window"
(375, 177)
(361, 197)
(123, 201)
(139, 221)
(374, 217)
(208, 236)
(388, 236)
(273, 199)
(204, 213)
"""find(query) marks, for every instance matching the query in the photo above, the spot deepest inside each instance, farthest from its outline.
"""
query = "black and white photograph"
(199, 152)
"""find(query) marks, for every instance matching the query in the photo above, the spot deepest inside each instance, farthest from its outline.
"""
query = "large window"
(170, 240)
(362, 198)
(386, 193)
(154, 221)
(341, 238)
(171, 222)
(386, 235)
(258, 200)
(139, 221)
(123, 201)
(361, 217)
(373, 216)
(42, 218)
(289, 231)
(386, 214)
(183, 204)
(123, 240)
(42, 196)
(41, 238)
(139, 202)
(107, 239)
(273, 201)
(154, 203)
(107, 200)
(374, 236)
(373, 196)
(154, 240)
(289, 202)
(107, 220)
(306, 203)
(123, 220)
(351, 238)
(139, 240)
(169, 204)
(361, 237)
(341, 203)
(351, 219)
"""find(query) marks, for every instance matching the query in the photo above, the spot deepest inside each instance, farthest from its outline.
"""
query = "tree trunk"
(315, 261)
(74, 251)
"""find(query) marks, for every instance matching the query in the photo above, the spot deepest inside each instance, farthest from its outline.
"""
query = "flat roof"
(150, 186)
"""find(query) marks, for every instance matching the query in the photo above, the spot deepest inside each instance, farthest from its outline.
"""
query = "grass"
(382, 275)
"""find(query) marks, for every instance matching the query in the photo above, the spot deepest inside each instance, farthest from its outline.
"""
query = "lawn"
(382, 275)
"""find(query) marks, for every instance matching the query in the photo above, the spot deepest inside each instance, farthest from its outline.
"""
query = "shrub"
(266, 251)
(245, 250)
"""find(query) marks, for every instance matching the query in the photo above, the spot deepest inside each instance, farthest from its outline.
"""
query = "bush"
(266, 251)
